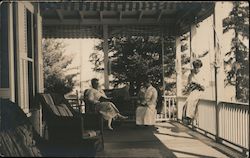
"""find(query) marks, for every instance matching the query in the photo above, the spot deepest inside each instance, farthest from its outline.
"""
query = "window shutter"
(40, 80)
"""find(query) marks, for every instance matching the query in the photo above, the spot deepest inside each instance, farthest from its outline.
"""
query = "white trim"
(28, 6)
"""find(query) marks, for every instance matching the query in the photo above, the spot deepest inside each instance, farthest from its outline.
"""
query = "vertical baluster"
(245, 126)
(165, 107)
(233, 124)
(227, 120)
(207, 125)
(210, 117)
(172, 106)
(232, 128)
(169, 105)
(247, 129)
(241, 113)
(229, 127)
(237, 126)
(201, 117)
(219, 108)
(214, 118)
(222, 120)
(230, 123)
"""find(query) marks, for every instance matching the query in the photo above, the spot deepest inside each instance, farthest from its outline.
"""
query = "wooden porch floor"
(168, 139)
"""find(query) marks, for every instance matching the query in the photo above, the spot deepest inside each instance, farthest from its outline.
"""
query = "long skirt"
(108, 110)
(145, 115)
(192, 102)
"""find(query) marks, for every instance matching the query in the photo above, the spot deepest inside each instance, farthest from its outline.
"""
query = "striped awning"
(85, 19)
(119, 5)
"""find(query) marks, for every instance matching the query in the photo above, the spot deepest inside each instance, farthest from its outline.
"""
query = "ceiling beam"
(127, 21)
(60, 14)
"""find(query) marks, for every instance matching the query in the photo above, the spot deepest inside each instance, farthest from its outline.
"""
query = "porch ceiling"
(85, 19)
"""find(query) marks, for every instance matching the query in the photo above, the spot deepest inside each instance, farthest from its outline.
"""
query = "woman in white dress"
(98, 98)
(194, 89)
(146, 112)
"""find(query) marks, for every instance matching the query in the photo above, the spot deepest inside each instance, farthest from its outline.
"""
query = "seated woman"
(104, 105)
(146, 111)
(194, 89)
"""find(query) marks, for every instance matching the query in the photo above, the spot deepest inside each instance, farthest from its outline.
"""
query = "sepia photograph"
(124, 79)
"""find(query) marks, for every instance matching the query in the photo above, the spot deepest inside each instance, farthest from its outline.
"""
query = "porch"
(167, 139)
(225, 123)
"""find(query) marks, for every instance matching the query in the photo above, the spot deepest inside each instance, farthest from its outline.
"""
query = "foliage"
(134, 58)
(55, 65)
(238, 57)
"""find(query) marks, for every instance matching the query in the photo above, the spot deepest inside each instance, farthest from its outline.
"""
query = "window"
(30, 55)
(4, 55)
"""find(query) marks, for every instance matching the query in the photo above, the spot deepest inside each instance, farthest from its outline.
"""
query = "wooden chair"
(63, 126)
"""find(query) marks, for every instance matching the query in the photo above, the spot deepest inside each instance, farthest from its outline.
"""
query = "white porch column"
(193, 31)
(178, 66)
(106, 58)
(38, 51)
(11, 53)
(218, 32)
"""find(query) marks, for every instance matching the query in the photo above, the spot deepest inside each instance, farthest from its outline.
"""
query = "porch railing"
(169, 109)
(230, 126)
(234, 123)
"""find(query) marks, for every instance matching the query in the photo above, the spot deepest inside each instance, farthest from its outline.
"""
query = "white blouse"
(151, 95)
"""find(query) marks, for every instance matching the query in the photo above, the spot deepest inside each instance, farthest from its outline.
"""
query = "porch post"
(178, 66)
(11, 53)
(193, 31)
(106, 58)
(218, 32)
(218, 65)
(38, 51)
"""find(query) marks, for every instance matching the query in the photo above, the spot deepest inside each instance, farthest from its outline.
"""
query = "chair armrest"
(65, 127)
(92, 121)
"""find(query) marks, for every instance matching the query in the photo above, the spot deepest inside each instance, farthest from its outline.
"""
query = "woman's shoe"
(123, 117)
(110, 128)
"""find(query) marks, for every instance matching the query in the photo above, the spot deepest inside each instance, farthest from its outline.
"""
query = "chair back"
(17, 136)
(89, 107)
(60, 121)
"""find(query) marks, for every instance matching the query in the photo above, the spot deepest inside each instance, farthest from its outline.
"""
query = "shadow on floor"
(128, 140)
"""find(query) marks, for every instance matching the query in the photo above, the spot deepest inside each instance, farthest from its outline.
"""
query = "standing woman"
(146, 112)
(194, 89)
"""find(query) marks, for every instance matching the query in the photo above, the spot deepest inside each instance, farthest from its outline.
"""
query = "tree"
(238, 57)
(55, 65)
(134, 58)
